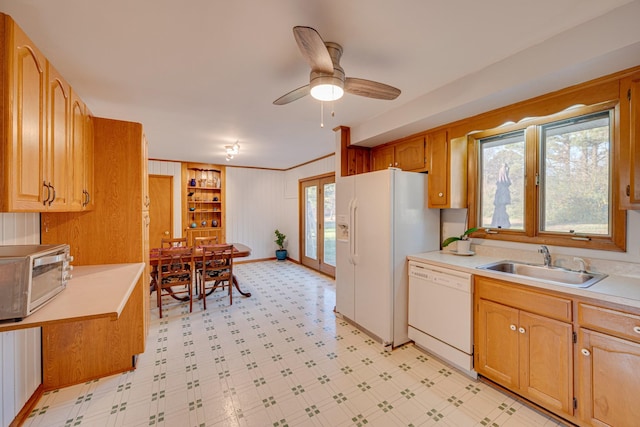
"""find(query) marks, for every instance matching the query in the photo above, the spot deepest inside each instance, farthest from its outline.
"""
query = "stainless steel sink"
(556, 275)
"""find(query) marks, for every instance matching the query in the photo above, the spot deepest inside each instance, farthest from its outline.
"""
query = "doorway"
(160, 209)
(318, 223)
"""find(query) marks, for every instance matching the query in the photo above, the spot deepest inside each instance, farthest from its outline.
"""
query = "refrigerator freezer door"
(345, 270)
(373, 248)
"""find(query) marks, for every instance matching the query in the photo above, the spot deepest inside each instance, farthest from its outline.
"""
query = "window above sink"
(549, 180)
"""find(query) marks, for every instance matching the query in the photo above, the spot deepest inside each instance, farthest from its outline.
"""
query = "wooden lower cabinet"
(527, 353)
(524, 341)
(609, 370)
(83, 350)
(608, 360)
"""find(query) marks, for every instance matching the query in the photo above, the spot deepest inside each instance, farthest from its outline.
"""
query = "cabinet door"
(145, 174)
(608, 374)
(57, 154)
(382, 158)
(82, 160)
(496, 347)
(78, 197)
(438, 170)
(27, 187)
(89, 161)
(546, 368)
(633, 192)
(410, 155)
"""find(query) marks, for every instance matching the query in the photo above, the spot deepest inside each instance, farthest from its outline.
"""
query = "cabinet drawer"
(623, 325)
(531, 301)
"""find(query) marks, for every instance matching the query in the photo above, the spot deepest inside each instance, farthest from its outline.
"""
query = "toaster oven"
(30, 276)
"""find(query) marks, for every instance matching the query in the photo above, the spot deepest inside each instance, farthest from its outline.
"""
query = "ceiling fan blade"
(370, 89)
(292, 96)
(313, 49)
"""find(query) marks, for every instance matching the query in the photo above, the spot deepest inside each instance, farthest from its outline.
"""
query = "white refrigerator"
(381, 217)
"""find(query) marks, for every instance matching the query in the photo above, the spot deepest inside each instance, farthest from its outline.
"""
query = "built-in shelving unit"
(203, 201)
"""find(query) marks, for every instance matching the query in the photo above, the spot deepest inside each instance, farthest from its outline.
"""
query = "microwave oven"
(30, 276)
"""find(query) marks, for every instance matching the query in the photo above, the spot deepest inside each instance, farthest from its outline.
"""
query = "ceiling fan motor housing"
(326, 86)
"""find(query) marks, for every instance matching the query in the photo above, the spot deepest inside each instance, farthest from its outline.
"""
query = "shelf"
(189, 187)
(204, 228)
(198, 202)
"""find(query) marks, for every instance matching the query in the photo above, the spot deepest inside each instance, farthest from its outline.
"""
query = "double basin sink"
(555, 275)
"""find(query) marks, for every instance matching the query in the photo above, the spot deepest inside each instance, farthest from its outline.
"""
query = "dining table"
(239, 251)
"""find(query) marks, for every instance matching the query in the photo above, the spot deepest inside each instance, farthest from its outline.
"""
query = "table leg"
(235, 283)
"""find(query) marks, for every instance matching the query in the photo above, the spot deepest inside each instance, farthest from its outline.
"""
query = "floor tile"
(279, 358)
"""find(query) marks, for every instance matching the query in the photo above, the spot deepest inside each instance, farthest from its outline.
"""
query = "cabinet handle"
(54, 194)
(585, 352)
(46, 199)
(440, 194)
(521, 330)
(636, 329)
(513, 327)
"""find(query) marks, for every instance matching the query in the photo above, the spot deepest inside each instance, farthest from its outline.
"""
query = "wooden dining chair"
(174, 243)
(175, 275)
(216, 270)
(198, 243)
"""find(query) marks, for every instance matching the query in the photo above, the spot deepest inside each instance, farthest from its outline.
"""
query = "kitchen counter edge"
(95, 291)
(616, 289)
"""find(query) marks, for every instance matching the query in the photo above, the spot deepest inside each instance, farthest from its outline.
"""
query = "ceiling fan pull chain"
(321, 114)
(333, 111)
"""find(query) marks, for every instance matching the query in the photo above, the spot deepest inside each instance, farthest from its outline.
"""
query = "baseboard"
(22, 416)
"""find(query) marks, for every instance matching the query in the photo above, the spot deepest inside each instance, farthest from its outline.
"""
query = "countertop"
(95, 291)
(613, 288)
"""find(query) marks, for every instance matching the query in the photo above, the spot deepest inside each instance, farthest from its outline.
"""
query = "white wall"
(20, 351)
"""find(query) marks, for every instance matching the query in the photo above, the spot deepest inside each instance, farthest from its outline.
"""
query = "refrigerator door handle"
(353, 254)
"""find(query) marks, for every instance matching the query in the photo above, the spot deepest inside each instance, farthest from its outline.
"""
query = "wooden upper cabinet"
(24, 185)
(146, 201)
(57, 155)
(408, 155)
(382, 158)
(37, 164)
(447, 171)
(629, 150)
(79, 152)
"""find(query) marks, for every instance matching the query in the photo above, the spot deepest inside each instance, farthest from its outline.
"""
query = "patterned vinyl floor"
(279, 358)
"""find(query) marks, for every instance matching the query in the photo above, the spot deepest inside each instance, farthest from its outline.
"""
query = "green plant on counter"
(464, 236)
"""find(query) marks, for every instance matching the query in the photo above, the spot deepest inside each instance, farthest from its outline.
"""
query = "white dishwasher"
(441, 313)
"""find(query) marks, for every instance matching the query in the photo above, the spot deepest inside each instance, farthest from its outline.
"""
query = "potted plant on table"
(281, 252)
(464, 241)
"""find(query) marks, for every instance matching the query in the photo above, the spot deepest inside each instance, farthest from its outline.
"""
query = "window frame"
(532, 199)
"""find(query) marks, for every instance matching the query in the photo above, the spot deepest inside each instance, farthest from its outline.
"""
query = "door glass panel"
(311, 221)
(329, 255)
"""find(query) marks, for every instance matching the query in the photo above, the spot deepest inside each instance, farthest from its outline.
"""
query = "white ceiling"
(201, 74)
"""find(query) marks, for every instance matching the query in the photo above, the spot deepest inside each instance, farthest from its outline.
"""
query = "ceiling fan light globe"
(327, 92)
(326, 88)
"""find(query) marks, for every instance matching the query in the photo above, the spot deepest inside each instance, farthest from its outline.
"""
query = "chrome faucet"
(547, 256)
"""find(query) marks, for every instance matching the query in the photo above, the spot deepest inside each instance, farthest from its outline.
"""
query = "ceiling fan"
(327, 81)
